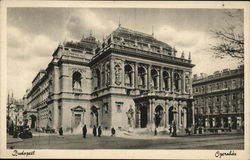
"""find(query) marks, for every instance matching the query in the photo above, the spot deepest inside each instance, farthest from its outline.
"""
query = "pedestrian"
(84, 131)
(94, 130)
(174, 130)
(112, 131)
(155, 133)
(99, 131)
(61, 131)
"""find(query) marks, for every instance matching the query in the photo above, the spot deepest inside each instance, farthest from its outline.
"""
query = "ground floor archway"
(33, 121)
(159, 113)
(94, 116)
(170, 115)
(143, 117)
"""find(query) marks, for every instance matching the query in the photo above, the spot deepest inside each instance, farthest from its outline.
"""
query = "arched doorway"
(159, 116)
(170, 115)
(33, 121)
(144, 117)
(94, 116)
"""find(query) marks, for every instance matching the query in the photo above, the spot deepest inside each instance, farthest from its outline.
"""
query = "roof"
(88, 44)
(139, 36)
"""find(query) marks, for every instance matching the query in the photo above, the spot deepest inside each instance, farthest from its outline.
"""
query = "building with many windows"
(130, 80)
(219, 99)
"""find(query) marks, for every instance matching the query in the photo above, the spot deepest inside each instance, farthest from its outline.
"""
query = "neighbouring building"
(130, 80)
(219, 99)
(15, 110)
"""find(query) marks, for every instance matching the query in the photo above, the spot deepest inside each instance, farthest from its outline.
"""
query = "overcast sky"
(34, 33)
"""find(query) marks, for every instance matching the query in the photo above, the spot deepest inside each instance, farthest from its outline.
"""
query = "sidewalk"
(11, 140)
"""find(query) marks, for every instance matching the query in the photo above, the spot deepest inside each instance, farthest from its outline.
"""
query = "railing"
(77, 90)
(128, 84)
(142, 86)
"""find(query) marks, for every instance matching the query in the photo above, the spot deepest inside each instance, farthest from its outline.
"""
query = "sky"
(34, 33)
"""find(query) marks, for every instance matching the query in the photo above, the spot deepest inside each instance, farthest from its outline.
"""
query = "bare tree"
(230, 39)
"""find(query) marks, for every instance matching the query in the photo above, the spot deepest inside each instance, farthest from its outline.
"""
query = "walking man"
(61, 132)
(84, 131)
(94, 130)
(155, 133)
(99, 131)
(112, 131)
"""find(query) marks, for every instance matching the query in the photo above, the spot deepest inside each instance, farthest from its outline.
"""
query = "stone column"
(172, 80)
(185, 117)
(190, 83)
(82, 117)
(164, 117)
(146, 79)
(150, 115)
(149, 77)
(122, 73)
(161, 79)
(183, 83)
(133, 78)
(166, 114)
(177, 115)
(112, 76)
(136, 75)
(152, 111)
(193, 120)
(139, 119)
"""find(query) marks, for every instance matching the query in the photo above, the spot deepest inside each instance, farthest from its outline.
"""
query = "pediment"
(78, 109)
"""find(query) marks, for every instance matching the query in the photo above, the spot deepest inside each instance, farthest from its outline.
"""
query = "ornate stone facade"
(130, 80)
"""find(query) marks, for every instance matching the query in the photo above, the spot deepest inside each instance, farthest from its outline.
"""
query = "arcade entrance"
(141, 116)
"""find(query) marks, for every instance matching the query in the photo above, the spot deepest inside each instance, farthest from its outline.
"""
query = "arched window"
(166, 81)
(141, 77)
(128, 75)
(177, 82)
(76, 83)
(154, 78)
(187, 82)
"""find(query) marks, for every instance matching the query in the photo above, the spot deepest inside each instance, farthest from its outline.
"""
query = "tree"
(230, 39)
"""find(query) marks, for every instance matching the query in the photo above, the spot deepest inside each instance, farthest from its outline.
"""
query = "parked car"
(25, 132)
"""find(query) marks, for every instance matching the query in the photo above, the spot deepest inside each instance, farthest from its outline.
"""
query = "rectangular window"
(217, 98)
(106, 107)
(119, 107)
(234, 96)
(233, 83)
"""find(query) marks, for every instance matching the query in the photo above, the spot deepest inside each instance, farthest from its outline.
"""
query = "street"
(229, 141)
